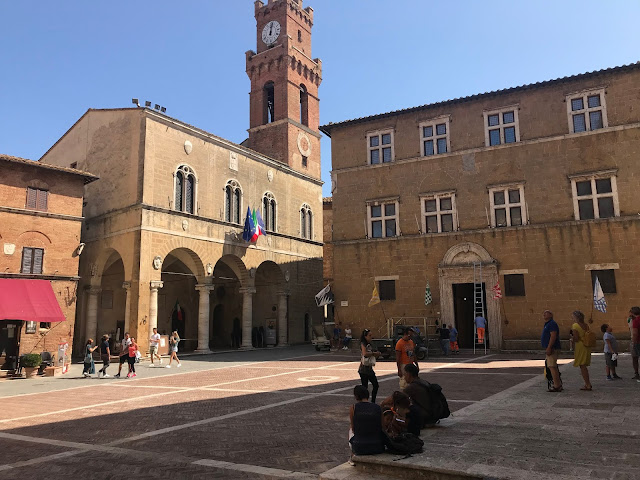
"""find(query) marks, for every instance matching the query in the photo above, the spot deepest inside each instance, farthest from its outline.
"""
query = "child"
(453, 339)
(610, 349)
(133, 348)
(394, 413)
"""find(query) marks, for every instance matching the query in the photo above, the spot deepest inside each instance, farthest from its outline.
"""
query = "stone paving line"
(80, 448)
(526, 433)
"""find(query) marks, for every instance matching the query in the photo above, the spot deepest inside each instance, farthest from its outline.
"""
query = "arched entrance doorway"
(456, 274)
(270, 306)
(112, 299)
(225, 325)
(178, 299)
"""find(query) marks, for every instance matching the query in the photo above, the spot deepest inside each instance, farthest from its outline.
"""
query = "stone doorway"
(456, 269)
(464, 312)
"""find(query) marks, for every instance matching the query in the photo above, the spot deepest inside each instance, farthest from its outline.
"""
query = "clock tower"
(284, 104)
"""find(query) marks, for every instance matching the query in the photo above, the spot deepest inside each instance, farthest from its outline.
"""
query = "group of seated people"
(404, 411)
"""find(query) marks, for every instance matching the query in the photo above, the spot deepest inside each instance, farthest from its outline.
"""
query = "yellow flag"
(375, 298)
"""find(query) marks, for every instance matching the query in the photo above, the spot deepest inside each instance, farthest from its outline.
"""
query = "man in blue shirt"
(550, 341)
(481, 324)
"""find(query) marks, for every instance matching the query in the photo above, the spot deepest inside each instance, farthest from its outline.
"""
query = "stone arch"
(107, 257)
(465, 254)
(189, 258)
(237, 266)
(34, 237)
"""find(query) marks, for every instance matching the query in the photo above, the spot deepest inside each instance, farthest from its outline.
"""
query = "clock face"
(270, 32)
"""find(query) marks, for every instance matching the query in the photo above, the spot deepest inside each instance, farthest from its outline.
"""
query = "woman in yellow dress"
(582, 354)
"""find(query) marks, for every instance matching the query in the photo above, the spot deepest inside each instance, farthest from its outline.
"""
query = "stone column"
(203, 318)
(92, 314)
(127, 306)
(153, 306)
(247, 316)
(282, 319)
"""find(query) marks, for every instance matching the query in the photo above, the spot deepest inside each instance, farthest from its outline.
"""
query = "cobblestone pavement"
(279, 413)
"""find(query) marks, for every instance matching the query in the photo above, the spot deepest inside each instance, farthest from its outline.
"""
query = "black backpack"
(404, 444)
(439, 408)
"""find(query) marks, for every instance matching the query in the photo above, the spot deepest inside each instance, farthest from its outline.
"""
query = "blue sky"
(60, 58)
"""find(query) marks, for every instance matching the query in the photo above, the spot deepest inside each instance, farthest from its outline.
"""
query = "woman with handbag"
(89, 367)
(582, 346)
(367, 361)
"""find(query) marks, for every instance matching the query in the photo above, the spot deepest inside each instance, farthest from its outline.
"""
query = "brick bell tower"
(284, 104)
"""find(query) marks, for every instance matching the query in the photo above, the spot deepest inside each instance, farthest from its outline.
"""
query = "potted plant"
(31, 362)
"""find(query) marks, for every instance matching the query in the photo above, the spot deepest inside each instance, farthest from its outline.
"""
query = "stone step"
(383, 467)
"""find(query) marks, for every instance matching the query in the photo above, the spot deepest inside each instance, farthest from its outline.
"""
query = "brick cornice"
(39, 213)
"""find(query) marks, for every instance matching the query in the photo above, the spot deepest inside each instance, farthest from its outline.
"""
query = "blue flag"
(249, 227)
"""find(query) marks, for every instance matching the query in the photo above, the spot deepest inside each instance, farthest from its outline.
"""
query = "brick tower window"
(304, 106)
(269, 101)
(185, 189)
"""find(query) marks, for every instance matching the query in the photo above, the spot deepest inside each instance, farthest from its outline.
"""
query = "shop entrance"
(9, 343)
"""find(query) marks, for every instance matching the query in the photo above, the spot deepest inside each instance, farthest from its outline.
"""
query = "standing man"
(635, 340)
(550, 341)
(445, 337)
(154, 341)
(105, 355)
(481, 324)
(405, 354)
(453, 340)
(124, 353)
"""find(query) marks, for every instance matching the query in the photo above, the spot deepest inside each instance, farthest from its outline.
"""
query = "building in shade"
(535, 184)
(40, 225)
(164, 226)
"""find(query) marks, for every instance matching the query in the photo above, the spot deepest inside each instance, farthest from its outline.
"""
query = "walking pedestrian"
(154, 340)
(635, 340)
(453, 340)
(89, 367)
(347, 338)
(550, 341)
(582, 353)
(337, 332)
(480, 323)
(124, 353)
(105, 355)
(174, 340)
(445, 338)
(405, 354)
(610, 351)
(133, 348)
(368, 358)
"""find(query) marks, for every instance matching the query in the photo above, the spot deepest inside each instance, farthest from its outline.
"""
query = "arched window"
(269, 211)
(304, 105)
(185, 189)
(233, 194)
(306, 222)
(269, 101)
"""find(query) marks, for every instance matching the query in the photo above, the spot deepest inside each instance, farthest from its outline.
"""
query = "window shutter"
(178, 204)
(273, 215)
(228, 214)
(189, 194)
(41, 200)
(38, 253)
(31, 197)
(27, 254)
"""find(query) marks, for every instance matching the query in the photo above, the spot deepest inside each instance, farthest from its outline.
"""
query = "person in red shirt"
(635, 340)
(405, 354)
(133, 348)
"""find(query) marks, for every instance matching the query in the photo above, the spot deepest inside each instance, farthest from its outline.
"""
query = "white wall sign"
(233, 161)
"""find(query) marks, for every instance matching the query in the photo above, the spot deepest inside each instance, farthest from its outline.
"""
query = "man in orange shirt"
(405, 354)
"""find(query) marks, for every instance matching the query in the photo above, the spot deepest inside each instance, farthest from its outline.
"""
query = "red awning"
(28, 300)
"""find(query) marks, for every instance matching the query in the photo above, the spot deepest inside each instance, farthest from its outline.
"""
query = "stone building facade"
(164, 227)
(40, 224)
(537, 184)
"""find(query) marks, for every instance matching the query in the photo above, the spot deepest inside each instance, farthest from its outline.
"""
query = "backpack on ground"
(589, 339)
(439, 408)
(404, 444)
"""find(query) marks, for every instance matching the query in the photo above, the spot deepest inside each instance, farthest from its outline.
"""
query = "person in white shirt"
(124, 353)
(154, 340)
(346, 341)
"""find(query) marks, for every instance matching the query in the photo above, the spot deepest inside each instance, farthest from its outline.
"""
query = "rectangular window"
(501, 126)
(32, 260)
(37, 199)
(305, 161)
(507, 206)
(586, 111)
(380, 147)
(607, 280)
(383, 220)
(435, 136)
(45, 325)
(387, 289)
(595, 196)
(514, 285)
(439, 213)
